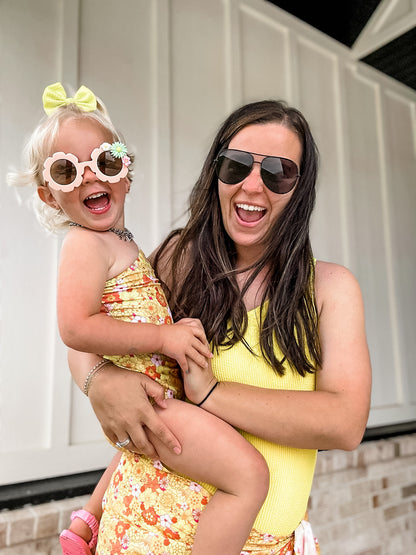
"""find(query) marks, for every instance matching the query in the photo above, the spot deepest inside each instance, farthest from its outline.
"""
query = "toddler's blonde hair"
(39, 147)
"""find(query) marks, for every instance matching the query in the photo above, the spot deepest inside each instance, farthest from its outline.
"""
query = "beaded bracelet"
(93, 372)
(208, 394)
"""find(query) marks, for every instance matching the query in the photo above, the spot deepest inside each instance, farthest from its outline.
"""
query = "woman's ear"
(47, 197)
(128, 185)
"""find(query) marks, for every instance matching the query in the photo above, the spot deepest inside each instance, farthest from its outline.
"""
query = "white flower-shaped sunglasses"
(64, 172)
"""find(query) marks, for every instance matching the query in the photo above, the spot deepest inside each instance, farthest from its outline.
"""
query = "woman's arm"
(120, 399)
(332, 417)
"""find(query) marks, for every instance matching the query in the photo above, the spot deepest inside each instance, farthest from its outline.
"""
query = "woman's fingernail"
(177, 451)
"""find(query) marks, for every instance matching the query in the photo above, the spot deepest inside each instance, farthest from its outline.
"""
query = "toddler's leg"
(75, 540)
(215, 453)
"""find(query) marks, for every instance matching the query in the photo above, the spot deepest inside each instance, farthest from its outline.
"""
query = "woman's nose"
(253, 183)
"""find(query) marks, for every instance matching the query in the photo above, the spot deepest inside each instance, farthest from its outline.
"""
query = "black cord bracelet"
(208, 394)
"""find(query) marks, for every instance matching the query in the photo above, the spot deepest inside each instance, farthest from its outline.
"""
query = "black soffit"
(344, 21)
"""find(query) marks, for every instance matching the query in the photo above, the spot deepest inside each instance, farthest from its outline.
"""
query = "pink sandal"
(71, 543)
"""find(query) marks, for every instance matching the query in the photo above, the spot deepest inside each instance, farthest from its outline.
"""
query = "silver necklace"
(122, 234)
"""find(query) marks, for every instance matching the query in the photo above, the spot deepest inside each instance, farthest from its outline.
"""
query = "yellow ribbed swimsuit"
(291, 470)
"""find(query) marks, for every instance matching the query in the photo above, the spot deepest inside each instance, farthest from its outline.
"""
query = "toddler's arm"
(86, 258)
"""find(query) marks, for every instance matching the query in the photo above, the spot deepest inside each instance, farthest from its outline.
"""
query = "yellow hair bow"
(55, 96)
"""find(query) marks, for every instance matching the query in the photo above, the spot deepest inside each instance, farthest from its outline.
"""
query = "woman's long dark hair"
(204, 283)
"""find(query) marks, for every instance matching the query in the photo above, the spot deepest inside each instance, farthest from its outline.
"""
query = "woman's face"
(249, 208)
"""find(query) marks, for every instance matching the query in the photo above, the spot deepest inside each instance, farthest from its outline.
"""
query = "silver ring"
(121, 444)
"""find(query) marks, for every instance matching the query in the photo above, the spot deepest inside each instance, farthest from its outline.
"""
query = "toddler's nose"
(88, 176)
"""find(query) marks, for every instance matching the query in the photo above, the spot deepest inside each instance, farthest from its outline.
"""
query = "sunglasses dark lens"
(63, 172)
(108, 165)
(234, 166)
(279, 174)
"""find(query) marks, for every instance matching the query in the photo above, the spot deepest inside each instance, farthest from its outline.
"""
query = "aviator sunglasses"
(279, 174)
(64, 172)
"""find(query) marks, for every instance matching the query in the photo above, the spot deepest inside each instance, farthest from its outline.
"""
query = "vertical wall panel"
(401, 202)
(120, 65)
(198, 85)
(264, 50)
(317, 99)
(28, 256)
(115, 61)
(367, 229)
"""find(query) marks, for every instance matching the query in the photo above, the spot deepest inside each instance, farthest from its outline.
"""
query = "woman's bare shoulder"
(334, 280)
(330, 270)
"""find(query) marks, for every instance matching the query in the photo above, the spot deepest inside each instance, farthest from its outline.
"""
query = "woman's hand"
(120, 399)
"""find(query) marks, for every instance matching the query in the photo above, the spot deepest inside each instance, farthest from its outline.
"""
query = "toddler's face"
(96, 204)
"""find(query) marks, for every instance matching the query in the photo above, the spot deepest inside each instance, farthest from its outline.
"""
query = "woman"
(287, 331)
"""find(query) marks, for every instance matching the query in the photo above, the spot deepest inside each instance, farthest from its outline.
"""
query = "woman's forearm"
(302, 419)
(80, 364)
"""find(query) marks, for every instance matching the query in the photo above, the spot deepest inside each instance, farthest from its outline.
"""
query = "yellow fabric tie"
(55, 96)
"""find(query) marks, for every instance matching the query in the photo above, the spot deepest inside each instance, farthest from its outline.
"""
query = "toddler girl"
(81, 169)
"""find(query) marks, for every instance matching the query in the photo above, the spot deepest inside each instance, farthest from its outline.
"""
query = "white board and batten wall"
(170, 71)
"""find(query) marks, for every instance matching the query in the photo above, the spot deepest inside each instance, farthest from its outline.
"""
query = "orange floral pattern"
(149, 510)
(136, 295)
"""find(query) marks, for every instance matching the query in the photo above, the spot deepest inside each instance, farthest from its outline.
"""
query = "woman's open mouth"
(249, 213)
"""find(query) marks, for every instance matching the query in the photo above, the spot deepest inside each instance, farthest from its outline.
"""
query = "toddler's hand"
(185, 340)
